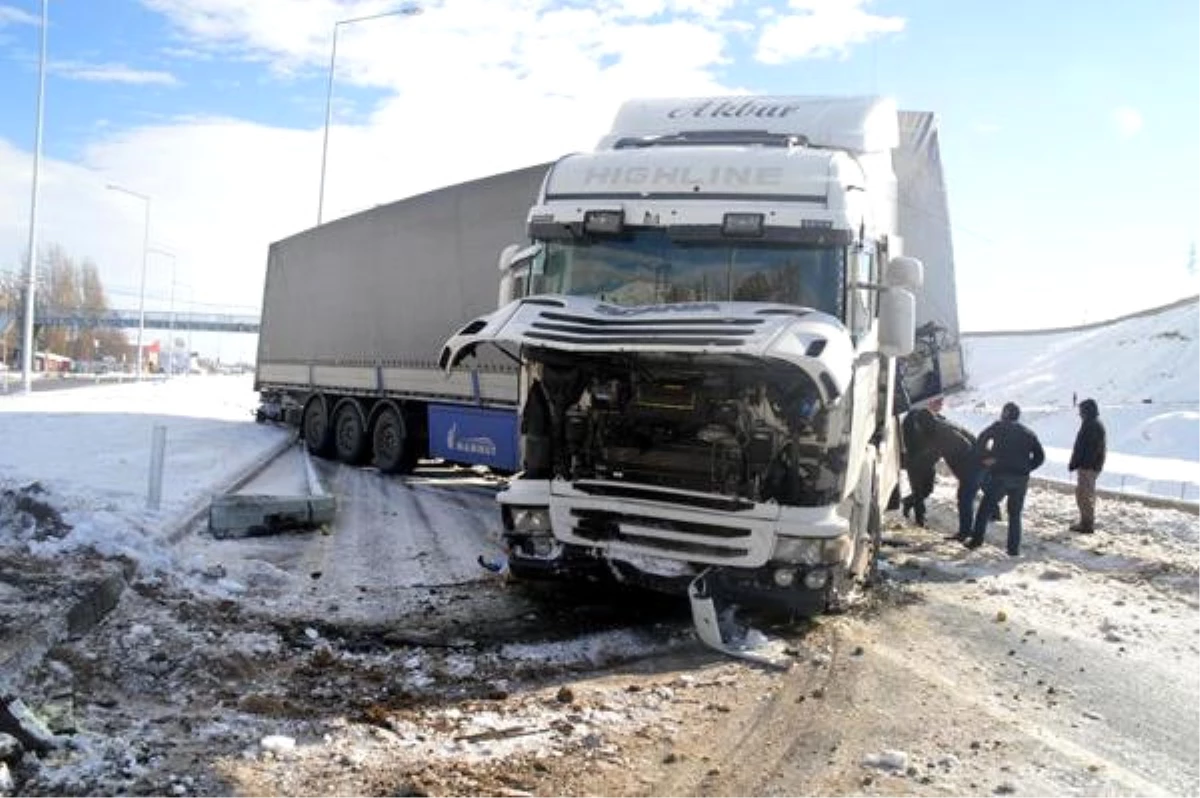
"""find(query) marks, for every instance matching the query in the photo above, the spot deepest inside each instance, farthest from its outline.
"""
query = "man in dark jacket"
(1087, 461)
(956, 446)
(1011, 450)
(919, 458)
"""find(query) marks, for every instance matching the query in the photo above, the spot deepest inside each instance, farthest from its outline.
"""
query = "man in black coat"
(1087, 461)
(919, 457)
(1011, 450)
(956, 446)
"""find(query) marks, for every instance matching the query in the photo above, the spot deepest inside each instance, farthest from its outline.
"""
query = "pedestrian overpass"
(128, 319)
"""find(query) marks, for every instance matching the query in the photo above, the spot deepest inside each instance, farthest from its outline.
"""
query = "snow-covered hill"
(1144, 371)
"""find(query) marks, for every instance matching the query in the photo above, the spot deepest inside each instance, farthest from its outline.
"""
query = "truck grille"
(560, 327)
(647, 532)
(701, 533)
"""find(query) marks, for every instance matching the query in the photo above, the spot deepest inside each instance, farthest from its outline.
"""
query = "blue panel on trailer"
(474, 435)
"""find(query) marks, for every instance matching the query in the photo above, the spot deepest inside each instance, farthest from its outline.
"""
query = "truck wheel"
(350, 433)
(318, 436)
(390, 444)
(846, 588)
(867, 563)
(875, 528)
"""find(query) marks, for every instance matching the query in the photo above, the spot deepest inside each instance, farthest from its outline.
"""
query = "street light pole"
(145, 256)
(407, 11)
(31, 273)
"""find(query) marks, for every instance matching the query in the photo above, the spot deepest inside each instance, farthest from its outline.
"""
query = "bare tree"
(71, 317)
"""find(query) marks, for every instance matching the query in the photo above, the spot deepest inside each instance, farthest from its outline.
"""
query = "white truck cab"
(708, 321)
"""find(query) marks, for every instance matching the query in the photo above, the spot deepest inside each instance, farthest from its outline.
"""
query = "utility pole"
(407, 11)
(27, 344)
(145, 256)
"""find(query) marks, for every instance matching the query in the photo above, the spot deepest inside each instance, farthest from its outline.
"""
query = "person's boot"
(906, 505)
(1082, 527)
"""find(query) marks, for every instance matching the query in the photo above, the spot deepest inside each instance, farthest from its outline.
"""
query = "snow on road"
(391, 541)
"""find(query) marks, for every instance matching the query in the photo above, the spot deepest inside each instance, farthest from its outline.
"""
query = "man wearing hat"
(1087, 461)
(1010, 450)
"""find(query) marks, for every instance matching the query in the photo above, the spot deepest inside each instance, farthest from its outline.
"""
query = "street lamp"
(171, 322)
(145, 255)
(30, 283)
(407, 11)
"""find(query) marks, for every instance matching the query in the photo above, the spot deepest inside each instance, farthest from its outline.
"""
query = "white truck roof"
(695, 173)
(855, 124)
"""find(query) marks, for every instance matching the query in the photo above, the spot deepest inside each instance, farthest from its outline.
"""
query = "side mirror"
(904, 272)
(897, 320)
(507, 281)
(507, 256)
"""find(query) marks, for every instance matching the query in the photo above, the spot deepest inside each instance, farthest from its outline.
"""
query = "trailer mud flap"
(739, 642)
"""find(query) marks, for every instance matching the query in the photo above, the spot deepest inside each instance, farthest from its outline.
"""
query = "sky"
(1069, 130)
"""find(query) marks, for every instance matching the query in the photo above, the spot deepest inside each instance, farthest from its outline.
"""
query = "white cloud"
(1128, 121)
(10, 15)
(112, 73)
(821, 29)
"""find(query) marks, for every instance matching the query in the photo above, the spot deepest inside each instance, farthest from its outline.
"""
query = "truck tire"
(350, 433)
(847, 585)
(875, 528)
(866, 570)
(318, 434)
(391, 446)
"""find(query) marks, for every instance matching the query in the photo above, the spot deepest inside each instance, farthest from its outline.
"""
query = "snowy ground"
(1144, 373)
(249, 665)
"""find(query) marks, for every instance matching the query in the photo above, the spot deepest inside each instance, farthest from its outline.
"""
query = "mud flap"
(735, 640)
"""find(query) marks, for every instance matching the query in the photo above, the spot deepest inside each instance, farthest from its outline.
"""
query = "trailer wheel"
(391, 447)
(318, 435)
(350, 433)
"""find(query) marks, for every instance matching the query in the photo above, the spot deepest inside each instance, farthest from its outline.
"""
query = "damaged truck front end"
(665, 443)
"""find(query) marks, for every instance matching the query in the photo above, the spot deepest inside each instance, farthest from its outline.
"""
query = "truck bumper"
(758, 588)
(808, 593)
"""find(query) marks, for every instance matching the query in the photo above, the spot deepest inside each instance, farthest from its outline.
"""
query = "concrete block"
(246, 515)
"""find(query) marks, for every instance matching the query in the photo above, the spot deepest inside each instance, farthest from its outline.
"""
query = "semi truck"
(707, 315)
(355, 312)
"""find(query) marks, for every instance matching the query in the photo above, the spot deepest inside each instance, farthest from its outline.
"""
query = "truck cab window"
(646, 267)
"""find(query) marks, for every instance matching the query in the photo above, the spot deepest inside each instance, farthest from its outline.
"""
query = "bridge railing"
(154, 319)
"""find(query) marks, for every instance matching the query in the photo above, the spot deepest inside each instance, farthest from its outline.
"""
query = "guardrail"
(1121, 494)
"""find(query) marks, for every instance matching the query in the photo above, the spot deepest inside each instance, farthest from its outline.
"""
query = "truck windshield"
(645, 267)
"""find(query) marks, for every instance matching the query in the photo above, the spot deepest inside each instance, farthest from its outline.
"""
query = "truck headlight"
(531, 520)
(799, 550)
(812, 551)
(815, 580)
